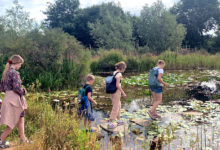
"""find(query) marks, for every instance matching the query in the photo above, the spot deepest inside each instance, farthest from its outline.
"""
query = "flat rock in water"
(141, 122)
(192, 113)
(122, 128)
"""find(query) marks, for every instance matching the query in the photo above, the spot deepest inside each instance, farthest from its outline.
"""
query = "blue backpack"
(83, 98)
(153, 81)
(111, 84)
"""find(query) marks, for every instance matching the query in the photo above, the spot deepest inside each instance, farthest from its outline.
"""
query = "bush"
(107, 61)
(132, 64)
(53, 57)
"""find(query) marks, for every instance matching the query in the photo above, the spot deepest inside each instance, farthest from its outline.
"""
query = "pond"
(186, 122)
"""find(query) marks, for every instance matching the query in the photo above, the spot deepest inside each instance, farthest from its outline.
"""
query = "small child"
(88, 113)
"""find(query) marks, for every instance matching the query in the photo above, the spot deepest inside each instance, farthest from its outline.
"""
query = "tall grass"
(56, 130)
(143, 63)
(190, 61)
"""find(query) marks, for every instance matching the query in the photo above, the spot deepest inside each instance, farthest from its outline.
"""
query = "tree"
(158, 29)
(113, 29)
(62, 14)
(17, 19)
(199, 17)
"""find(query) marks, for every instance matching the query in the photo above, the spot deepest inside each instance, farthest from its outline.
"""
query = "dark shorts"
(157, 90)
(22, 114)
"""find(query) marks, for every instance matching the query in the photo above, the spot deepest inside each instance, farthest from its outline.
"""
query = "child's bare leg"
(157, 101)
(85, 122)
(89, 124)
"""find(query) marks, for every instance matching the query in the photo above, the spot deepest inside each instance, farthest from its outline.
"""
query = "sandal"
(25, 141)
(120, 123)
(157, 116)
(152, 116)
(111, 125)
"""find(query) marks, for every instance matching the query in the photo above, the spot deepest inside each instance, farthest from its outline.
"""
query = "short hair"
(160, 62)
(90, 77)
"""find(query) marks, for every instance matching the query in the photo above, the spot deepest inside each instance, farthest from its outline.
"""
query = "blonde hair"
(120, 65)
(15, 59)
(160, 62)
(90, 77)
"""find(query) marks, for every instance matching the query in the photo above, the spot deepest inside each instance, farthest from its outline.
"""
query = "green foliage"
(172, 79)
(159, 30)
(113, 29)
(101, 26)
(62, 14)
(199, 17)
(17, 20)
(107, 61)
(49, 129)
(190, 61)
(56, 59)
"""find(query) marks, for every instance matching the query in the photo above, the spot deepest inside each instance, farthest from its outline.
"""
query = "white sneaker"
(4, 145)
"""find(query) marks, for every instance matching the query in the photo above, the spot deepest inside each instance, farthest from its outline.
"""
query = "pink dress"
(14, 103)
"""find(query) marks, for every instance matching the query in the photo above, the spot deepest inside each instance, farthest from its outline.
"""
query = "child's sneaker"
(90, 130)
(4, 145)
(120, 123)
(111, 125)
(152, 115)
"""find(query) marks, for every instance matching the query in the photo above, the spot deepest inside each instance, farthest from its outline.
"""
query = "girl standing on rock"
(14, 103)
(157, 88)
(116, 97)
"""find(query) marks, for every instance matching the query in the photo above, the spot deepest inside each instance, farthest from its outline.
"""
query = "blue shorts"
(157, 90)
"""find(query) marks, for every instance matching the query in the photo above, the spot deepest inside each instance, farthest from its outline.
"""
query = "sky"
(36, 7)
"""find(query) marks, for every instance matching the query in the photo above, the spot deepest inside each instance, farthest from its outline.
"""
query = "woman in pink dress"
(14, 103)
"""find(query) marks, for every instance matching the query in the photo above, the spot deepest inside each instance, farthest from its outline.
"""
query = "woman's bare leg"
(157, 101)
(20, 126)
(6, 132)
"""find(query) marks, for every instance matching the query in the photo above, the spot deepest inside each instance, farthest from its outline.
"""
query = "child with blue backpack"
(86, 101)
(155, 84)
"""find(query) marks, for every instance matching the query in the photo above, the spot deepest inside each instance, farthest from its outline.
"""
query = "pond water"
(194, 125)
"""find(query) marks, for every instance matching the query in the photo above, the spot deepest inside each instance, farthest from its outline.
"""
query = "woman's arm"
(118, 85)
(17, 84)
(159, 78)
(90, 98)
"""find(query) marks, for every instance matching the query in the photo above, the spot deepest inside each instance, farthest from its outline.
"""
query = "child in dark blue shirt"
(88, 114)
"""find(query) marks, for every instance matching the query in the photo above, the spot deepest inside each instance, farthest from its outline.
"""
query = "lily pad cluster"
(170, 78)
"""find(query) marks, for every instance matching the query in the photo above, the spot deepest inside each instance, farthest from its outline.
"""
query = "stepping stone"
(192, 113)
(141, 122)
(122, 128)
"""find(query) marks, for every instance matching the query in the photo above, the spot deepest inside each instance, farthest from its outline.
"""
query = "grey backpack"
(153, 81)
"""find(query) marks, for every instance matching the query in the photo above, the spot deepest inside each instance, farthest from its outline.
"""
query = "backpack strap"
(86, 87)
(115, 74)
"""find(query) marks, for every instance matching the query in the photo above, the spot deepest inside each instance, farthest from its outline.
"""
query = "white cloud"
(36, 7)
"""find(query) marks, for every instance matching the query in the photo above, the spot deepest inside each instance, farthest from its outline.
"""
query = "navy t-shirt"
(88, 89)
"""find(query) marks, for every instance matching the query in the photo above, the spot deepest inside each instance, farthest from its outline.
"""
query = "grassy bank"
(49, 129)
(105, 61)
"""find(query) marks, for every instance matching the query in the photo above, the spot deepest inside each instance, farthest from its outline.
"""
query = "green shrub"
(132, 64)
(107, 61)
(53, 57)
